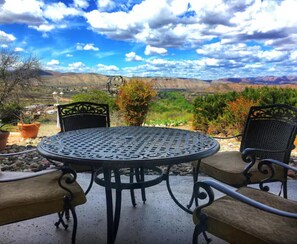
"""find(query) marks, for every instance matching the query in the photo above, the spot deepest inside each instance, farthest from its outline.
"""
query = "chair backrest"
(271, 127)
(82, 115)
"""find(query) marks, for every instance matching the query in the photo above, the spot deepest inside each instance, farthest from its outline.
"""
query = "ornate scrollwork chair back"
(82, 115)
(270, 130)
(246, 215)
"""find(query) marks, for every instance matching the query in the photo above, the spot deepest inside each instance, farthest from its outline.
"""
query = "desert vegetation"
(224, 113)
(139, 101)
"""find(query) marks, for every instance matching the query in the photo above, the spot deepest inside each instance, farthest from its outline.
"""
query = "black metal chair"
(82, 115)
(39, 194)
(246, 215)
(271, 130)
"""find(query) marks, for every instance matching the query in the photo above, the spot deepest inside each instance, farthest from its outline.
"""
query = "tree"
(95, 96)
(17, 75)
(133, 101)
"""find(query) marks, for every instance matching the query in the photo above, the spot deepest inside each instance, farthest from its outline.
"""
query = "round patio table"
(110, 149)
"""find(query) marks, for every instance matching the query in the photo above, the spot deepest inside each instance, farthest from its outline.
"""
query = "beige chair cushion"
(34, 197)
(228, 167)
(237, 222)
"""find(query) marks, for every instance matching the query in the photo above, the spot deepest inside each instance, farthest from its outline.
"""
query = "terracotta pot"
(29, 130)
(3, 139)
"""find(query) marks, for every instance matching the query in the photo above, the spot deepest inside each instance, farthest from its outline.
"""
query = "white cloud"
(43, 27)
(273, 55)
(18, 49)
(86, 47)
(90, 46)
(186, 24)
(149, 50)
(103, 68)
(58, 11)
(81, 3)
(77, 66)
(105, 5)
(4, 37)
(4, 46)
(20, 11)
(68, 55)
(133, 57)
(53, 62)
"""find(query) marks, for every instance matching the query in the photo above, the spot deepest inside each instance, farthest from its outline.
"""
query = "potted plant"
(28, 126)
(3, 136)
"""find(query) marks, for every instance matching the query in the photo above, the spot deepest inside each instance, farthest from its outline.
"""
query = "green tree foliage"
(170, 108)
(96, 96)
(225, 113)
(171, 101)
(133, 100)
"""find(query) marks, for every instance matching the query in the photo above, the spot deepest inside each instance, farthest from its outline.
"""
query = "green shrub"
(96, 96)
(133, 101)
(170, 101)
(9, 112)
(226, 113)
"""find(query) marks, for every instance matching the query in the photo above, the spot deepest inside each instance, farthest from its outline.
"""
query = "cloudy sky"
(204, 39)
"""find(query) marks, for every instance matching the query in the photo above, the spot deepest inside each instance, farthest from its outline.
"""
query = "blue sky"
(203, 39)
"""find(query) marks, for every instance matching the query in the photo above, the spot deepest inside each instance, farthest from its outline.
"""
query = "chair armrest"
(279, 163)
(207, 184)
(249, 155)
(251, 152)
(15, 176)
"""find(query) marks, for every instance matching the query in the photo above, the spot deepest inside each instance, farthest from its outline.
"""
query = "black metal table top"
(128, 146)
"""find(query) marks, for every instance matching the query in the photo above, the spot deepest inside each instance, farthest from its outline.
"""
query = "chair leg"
(285, 189)
(200, 228)
(140, 178)
(197, 231)
(132, 190)
(61, 220)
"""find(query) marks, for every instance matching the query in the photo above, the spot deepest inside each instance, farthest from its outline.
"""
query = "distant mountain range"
(57, 79)
(263, 80)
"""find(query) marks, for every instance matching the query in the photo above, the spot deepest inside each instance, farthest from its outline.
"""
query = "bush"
(133, 101)
(171, 101)
(10, 112)
(96, 96)
(226, 113)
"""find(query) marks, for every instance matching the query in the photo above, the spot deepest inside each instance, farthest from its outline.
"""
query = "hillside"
(77, 80)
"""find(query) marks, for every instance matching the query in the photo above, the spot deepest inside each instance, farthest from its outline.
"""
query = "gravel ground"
(34, 162)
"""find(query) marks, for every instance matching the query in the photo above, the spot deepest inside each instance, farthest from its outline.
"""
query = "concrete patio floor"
(157, 221)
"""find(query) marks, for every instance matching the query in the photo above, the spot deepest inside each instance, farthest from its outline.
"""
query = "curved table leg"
(195, 179)
(172, 195)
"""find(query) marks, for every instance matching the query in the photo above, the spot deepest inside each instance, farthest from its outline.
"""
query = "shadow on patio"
(158, 221)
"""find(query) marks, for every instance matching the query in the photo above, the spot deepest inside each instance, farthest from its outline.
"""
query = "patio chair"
(271, 130)
(82, 115)
(246, 215)
(38, 195)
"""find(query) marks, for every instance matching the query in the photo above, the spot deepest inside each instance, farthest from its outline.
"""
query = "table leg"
(109, 207)
(172, 195)
(118, 204)
(113, 218)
